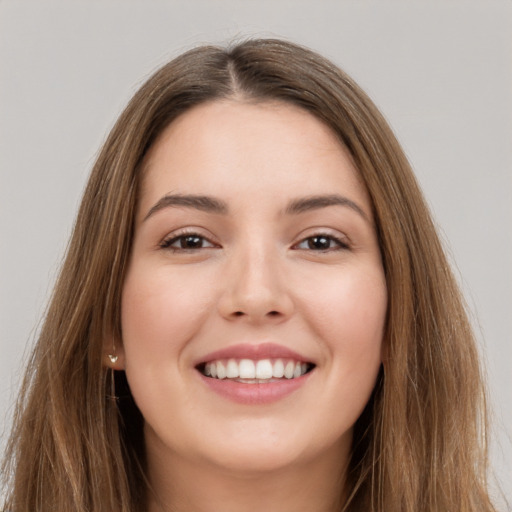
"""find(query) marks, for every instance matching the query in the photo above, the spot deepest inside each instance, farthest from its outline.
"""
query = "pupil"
(191, 242)
(319, 242)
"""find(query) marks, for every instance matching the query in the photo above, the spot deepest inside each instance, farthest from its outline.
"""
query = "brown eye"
(321, 243)
(186, 243)
(190, 242)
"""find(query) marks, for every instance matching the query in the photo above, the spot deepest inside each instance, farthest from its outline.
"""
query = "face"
(254, 303)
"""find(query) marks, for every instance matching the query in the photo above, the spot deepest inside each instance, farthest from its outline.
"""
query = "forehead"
(270, 150)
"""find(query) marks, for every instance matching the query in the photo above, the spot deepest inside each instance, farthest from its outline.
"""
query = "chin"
(272, 451)
(250, 460)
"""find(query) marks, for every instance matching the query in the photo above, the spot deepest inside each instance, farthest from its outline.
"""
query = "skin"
(255, 276)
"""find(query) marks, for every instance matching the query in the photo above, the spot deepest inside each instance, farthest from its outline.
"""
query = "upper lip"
(254, 352)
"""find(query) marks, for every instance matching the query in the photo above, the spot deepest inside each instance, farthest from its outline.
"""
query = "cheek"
(348, 315)
(162, 310)
(350, 309)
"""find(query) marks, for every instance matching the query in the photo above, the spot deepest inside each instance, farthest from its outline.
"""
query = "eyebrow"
(213, 205)
(322, 201)
(203, 203)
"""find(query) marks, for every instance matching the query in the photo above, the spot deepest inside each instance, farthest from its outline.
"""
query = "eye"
(321, 243)
(186, 242)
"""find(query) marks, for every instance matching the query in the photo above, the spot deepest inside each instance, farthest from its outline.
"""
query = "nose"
(254, 289)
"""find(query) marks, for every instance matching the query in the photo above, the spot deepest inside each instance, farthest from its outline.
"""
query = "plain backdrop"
(441, 71)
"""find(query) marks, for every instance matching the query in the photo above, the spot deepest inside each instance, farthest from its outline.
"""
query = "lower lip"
(253, 394)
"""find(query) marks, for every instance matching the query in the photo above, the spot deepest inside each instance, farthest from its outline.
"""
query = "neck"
(189, 486)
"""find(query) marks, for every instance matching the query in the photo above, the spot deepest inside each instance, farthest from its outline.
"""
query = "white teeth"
(247, 369)
(288, 369)
(264, 370)
(232, 369)
(278, 370)
(221, 370)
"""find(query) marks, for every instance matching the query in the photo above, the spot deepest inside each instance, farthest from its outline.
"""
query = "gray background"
(441, 71)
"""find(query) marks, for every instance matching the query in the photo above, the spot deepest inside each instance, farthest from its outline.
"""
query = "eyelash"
(339, 244)
(168, 242)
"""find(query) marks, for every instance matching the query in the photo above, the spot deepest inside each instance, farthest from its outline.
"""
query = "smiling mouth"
(261, 371)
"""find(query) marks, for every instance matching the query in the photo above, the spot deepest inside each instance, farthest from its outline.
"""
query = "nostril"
(270, 313)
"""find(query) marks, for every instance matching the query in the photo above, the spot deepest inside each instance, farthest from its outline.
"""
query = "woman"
(255, 312)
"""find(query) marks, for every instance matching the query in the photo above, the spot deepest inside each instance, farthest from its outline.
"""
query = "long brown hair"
(418, 446)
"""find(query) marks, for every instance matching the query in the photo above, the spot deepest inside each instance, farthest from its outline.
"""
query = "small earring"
(113, 356)
(113, 359)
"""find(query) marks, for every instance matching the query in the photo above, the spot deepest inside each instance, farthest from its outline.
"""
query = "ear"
(113, 354)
